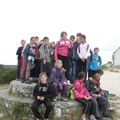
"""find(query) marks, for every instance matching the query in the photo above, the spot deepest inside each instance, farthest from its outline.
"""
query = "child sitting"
(41, 96)
(82, 95)
(95, 90)
(58, 82)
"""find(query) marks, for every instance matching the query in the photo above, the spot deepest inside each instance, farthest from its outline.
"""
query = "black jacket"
(92, 87)
(19, 51)
(41, 90)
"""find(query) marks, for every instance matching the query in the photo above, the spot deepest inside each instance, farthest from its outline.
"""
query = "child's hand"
(99, 95)
(44, 61)
(60, 86)
(42, 98)
(65, 83)
(38, 97)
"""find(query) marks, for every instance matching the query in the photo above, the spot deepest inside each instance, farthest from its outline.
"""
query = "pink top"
(62, 48)
(80, 90)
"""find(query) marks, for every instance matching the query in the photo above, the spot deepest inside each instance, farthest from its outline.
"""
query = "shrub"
(6, 76)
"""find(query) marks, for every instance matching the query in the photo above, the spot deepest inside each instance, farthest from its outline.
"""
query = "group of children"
(58, 64)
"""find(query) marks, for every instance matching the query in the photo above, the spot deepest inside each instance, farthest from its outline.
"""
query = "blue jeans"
(72, 70)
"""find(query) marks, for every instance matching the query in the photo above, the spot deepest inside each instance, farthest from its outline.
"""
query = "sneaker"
(28, 82)
(92, 117)
(64, 99)
(83, 118)
(46, 119)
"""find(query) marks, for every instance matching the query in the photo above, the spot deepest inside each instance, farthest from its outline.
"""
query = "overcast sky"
(99, 20)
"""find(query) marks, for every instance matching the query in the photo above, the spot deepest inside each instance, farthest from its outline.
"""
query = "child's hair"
(45, 38)
(62, 33)
(100, 71)
(96, 76)
(36, 37)
(96, 48)
(42, 73)
(79, 35)
(72, 36)
(84, 37)
(32, 38)
(81, 75)
(58, 61)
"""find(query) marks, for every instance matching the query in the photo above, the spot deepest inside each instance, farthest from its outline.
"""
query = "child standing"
(41, 95)
(58, 81)
(83, 51)
(45, 57)
(82, 95)
(28, 60)
(19, 52)
(94, 63)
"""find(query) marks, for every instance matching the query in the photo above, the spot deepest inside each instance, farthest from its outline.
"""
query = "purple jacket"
(58, 75)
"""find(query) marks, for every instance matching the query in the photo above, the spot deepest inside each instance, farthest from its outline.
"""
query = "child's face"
(96, 51)
(32, 41)
(64, 36)
(78, 39)
(23, 42)
(46, 41)
(59, 65)
(43, 79)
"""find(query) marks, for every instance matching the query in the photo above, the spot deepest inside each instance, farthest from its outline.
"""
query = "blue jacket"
(94, 62)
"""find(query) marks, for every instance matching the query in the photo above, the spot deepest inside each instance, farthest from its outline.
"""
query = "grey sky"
(98, 19)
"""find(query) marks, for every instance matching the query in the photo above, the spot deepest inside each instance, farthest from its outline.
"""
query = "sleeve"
(88, 51)
(35, 93)
(100, 62)
(78, 51)
(56, 51)
(18, 52)
(53, 78)
(63, 78)
(88, 87)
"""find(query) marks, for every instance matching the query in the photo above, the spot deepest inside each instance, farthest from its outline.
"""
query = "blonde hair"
(58, 61)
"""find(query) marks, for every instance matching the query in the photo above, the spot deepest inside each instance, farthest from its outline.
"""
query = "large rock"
(19, 108)
(21, 89)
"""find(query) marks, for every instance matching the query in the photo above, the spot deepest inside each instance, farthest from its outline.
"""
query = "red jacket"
(80, 90)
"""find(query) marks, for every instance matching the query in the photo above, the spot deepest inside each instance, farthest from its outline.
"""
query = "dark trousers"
(55, 89)
(104, 105)
(72, 71)
(90, 107)
(35, 108)
(91, 73)
(18, 70)
(82, 66)
(65, 62)
(46, 68)
(36, 70)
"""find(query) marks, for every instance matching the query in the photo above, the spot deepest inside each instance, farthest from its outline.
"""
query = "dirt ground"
(111, 81)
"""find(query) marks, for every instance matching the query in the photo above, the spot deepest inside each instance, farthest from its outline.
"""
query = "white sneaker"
(92, 117)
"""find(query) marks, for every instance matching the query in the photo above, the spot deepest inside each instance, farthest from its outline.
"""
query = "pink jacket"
(62, 48)
(80, 90)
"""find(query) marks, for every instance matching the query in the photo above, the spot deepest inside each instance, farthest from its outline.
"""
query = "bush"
(7, 75)
(19, 110)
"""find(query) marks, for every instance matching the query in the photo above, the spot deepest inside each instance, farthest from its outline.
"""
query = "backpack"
(72, 94)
